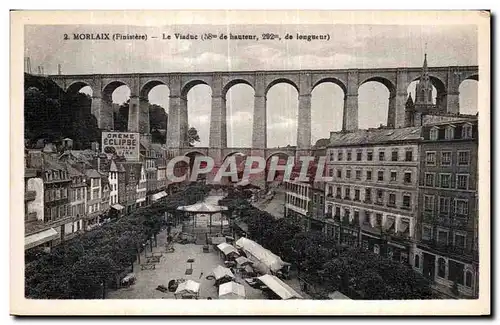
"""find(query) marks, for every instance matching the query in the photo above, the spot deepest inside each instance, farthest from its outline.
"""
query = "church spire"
(423, 91)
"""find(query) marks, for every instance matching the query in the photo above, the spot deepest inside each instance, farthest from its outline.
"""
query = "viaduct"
(446, 80)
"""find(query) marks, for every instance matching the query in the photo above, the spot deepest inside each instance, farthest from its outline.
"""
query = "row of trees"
(80, 267)
(320, 260)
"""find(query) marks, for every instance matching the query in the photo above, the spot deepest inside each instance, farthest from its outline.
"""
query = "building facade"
(78, 201)
(371, 199)
(94, 198)
(447, 251)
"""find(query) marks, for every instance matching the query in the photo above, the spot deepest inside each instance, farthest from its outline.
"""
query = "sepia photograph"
(293, 157)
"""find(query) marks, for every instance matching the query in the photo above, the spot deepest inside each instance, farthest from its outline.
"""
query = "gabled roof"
(73, 171)
(92, 173)
(374, 136)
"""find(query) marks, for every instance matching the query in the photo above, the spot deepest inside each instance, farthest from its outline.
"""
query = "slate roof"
(374, 136)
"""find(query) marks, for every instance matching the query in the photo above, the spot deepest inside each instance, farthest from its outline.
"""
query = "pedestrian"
(201, 274)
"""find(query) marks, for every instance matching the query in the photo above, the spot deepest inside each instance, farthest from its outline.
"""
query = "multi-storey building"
(132, 176)
(447, 249)
(372, 197)
(78, 201)
(141, 188)
(94, 198)
(297, 202)
(105, 198)
(113, 183)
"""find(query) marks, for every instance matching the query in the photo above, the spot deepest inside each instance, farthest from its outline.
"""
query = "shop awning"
(142, 199)
(283, 290)
(227, 249)
(118, 207)
(158, 195)
(40, 238)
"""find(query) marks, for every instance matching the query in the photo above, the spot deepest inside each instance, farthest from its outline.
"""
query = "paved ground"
(173, 266)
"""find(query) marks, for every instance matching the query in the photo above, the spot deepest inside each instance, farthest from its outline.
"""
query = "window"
(406, 200)
(456, 272)
(359, 155)
(378, 219)
(459, 240)
(347, 194)
(369, 155)
(429, 202)
(449, 133)
(392, 199)
(331, 156)
(380, 196)
(445, 180)
(348, 174)
(446, 158)
(417, 261)
(337, 211)
(340, 155)
(444, 205)
(358, 175)
(433, 134)
(368, 195)
(394, 176)
(463, 158)
(441, 267)
(429, 179)
(466, 131)
(409, 155)
(430, 158)
(339, 192)
(356, 195)
(376, 249)
(381, 155)
(461, 207)
(463, 181)
(339, 173)
(368, 175)
(426, 233)
(468, 279)
(349, 156)
(442, 237)
(390, 252)
(394, 155)
(380, 176)
(407, 177)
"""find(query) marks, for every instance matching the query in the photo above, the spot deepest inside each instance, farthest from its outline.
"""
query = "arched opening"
(239, 115)
(468, 278)
(438, 93)
(417, 261)
(117, 95)
(282, 108)
(240, 160)
(373, 103)
(468, 96)
(158, 98)
(199, 106)
(187, 169)
(327, 109)
(441, 268)
(278, 178)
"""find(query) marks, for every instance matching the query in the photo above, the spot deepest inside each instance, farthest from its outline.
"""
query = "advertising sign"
(124, 144)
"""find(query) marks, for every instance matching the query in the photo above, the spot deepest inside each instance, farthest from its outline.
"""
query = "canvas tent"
(263, 259)
(227, 249)
(221, 272)
(280, 288)
(337, 295)
(243, 261)
(231, 290)
(187, 289)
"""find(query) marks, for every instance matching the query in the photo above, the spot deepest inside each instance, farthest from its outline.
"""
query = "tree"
(157, 117)
(193, 136)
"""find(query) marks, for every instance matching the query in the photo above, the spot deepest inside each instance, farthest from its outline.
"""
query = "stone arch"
(334, 80)
(235, 82)
(191, 152)
(149, 85)
(391, 86)
(436, 82)
(281, 80)
(76, 86)
(473, 76)
(233, 153)
(110, 87)
(190, 84)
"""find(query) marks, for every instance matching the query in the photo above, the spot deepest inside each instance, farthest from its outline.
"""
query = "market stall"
(231, 290)
(188, 290)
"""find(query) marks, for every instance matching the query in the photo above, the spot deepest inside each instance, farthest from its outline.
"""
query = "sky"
(350, 46)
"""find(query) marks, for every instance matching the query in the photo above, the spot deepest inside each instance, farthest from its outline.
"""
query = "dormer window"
(467, 131)
(449, 132)
(433, 134)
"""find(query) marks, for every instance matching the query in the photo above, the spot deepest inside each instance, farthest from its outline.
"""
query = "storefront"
(42, 238)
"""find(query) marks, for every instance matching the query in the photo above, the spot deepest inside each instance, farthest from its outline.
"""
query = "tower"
(423, 91)
(409, 112)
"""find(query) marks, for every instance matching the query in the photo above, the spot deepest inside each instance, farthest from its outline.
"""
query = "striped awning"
(118, 207)
(159, 195)
(40, 238)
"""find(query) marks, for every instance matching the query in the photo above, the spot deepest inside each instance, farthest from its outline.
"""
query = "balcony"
(391, 205)
(368, 201)
(29, 195)
(347, 198)
(404, 207)
(338, 196)
(379, 203)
